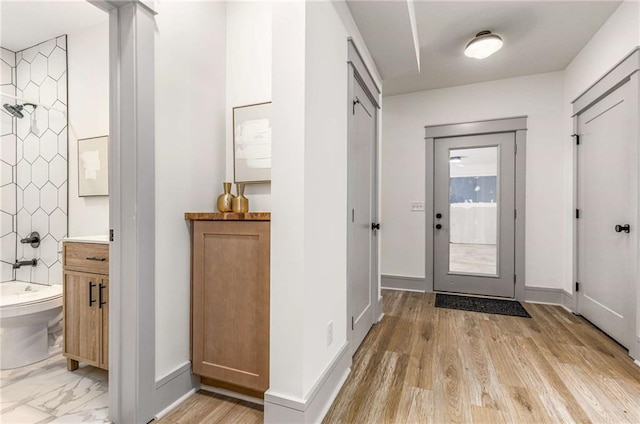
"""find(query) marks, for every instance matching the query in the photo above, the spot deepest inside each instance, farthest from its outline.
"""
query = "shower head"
(16, 110)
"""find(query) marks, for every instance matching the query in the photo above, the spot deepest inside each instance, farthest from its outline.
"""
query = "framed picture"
(93, 166)
(252, 143)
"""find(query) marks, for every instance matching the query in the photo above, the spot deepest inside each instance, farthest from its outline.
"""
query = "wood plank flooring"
(429, 365)
(423, 364)
(209, 408)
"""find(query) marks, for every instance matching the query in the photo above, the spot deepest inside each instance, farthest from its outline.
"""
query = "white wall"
(88, 56)
(539, 97)
(325, 201)
(308, 197)
(190, 155)
(248, 77)
(615, 39)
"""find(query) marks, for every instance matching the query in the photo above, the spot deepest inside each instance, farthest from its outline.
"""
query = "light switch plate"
(417, 206)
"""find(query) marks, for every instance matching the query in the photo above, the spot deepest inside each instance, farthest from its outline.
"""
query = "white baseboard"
(380, 309)
(284, 409)
(549, 296)
(398, 282)
(174, 388)
(231, 394)
(175, 404)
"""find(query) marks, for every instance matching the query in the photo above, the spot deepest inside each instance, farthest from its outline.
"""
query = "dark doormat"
(480, 304)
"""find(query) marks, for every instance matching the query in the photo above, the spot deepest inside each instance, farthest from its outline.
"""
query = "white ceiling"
(26, 23)
(394, 43)
(539, 36)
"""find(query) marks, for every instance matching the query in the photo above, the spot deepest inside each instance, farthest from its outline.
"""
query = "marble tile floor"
(46, 392)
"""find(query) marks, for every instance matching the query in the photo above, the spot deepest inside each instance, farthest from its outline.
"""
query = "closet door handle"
(100, 302)
(91, 299)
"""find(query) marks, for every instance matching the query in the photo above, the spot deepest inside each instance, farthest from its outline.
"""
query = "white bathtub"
(26, 311)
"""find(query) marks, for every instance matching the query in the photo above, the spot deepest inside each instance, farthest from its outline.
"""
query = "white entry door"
(362, 278)
(474, 214)
(607, 203)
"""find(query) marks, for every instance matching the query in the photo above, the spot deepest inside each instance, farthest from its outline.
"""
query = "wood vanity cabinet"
(230, 300)
(86, 304)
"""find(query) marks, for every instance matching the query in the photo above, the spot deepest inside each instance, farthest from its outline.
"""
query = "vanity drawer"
(88, 257)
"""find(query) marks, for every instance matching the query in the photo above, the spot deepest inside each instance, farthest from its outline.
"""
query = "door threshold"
(484, 296)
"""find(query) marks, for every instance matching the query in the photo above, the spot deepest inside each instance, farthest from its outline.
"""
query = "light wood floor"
(423, 364)
(210, 408)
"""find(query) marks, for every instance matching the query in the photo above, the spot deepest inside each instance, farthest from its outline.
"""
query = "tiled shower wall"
(8, 167)
(40, 169)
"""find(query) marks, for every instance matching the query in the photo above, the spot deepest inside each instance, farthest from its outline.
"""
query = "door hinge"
(110, 235)
(577, 137)
(515, 214)
(516, 149)
(352, 324)
(514, 279)
(353, 215)
(355, 102)
(577, 287)
(577, 213)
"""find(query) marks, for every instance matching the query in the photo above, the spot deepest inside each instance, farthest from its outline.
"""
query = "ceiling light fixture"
(484, 45)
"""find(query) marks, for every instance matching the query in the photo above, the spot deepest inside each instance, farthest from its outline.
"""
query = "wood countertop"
(227, 216)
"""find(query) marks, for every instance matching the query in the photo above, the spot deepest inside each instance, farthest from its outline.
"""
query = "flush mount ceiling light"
(484, 45)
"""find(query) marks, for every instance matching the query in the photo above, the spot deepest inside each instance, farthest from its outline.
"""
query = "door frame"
(131, 210)
(626, 71)
(359, 73)
(517, 125)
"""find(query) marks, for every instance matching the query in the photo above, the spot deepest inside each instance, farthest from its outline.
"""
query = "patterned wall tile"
(38, 148)
(8, 175)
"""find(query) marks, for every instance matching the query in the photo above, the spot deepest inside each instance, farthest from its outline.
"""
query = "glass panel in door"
(473, 210)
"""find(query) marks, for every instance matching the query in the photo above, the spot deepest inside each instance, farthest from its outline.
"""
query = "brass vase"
(240, 203)
(225, 200)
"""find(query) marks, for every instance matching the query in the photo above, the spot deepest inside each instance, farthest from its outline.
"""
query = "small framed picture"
(93, 166)
(252, 143)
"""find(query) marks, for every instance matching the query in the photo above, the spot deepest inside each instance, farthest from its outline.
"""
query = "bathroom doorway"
(54, 70)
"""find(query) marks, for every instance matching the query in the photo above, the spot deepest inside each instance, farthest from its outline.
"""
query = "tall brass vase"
(240, 203)
(225, 200)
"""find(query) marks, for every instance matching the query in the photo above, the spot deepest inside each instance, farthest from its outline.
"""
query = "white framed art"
(93, 166)
(252, 143)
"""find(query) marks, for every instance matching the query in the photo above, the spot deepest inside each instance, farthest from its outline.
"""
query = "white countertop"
(87, 239)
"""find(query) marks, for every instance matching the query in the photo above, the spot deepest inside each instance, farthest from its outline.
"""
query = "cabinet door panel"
(81, 320)
(231, 302)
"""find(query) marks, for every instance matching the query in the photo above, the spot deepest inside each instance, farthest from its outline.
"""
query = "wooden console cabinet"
(230, 256)
(86, 304)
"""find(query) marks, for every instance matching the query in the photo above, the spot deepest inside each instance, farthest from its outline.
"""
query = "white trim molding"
(550, 296)
(173, 387)
(400, 282)
(229, 393)
(284, 409)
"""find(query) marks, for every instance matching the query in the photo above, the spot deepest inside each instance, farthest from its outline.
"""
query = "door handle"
(91, 299)
(375, 226)
(438, 226)
(100, 302)
(95, 258)
(620, 228)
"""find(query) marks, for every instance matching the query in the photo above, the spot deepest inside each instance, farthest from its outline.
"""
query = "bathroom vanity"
(230, 261)
(85, 263)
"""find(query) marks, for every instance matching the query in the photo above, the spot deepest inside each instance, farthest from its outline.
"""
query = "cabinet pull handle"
(95, 258)
(91, 299)
(100, 302)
